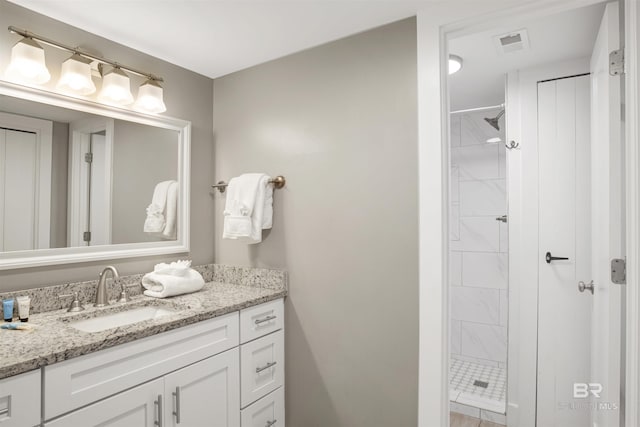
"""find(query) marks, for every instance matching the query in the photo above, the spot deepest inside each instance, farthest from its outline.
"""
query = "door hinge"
(619, 271)
(616, 62)
(86, 236)
(88, 157)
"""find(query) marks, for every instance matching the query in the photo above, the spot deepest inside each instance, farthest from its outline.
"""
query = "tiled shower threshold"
(478, 386)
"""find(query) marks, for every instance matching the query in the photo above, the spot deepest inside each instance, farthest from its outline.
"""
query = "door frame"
(435, 25)
(79, 136)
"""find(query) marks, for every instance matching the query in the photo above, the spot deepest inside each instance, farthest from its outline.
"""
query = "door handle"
(158, 404)
(548, 257)
(176, 395)
(586, 286)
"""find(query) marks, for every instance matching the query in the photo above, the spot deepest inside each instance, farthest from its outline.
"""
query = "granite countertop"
(54, 340)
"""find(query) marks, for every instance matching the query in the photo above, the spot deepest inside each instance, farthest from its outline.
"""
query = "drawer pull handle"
(265, 319)
(265, 367)
(158, 404)
(176, 395)
(5, 411)
(270, 423)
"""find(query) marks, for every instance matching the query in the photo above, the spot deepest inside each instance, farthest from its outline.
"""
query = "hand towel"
(163, 282)
(162, 212)
(249, 207)
(169, 231)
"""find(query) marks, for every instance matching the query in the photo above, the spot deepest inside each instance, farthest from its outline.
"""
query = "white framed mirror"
(80, 181)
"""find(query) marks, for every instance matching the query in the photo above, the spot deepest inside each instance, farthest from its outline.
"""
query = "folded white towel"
(162, 212)
(159, 285)
(249, 207)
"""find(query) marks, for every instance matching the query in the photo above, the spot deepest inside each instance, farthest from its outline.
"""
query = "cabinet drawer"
(268, 411)
(261, 367)
(86, 379)
(261, 320)
(20, 400)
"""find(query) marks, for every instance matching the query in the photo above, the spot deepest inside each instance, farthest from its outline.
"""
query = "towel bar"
(278, 182)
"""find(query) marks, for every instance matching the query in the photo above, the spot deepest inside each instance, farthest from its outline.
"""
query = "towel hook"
(278, 183)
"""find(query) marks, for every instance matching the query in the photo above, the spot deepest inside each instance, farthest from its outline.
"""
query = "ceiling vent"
(514, 41)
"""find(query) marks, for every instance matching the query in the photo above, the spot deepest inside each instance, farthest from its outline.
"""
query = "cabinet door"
(20, 400)
(141, 407)
(206, 393)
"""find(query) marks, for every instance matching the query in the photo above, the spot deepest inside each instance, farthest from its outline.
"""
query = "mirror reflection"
(71, 179)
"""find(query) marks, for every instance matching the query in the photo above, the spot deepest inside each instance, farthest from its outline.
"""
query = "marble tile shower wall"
(478, 242)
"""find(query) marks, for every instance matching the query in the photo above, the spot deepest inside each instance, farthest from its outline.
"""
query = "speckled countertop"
(54, 340)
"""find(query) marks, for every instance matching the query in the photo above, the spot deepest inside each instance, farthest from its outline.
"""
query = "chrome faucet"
(102, 297)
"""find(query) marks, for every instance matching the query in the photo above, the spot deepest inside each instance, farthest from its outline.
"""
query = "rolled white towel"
(160, 285)
(176, 268)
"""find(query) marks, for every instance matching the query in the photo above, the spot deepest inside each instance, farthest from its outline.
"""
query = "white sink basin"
(122, 318)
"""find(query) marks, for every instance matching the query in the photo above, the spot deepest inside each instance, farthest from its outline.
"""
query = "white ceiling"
(218, 37)
(554, 38)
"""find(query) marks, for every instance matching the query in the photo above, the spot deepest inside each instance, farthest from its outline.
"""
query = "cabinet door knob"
(586, 286)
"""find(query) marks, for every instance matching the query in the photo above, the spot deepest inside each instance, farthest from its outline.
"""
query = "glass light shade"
(150, 98)
(116, 88)
(75, 76)
(455, 64)
(27, 63)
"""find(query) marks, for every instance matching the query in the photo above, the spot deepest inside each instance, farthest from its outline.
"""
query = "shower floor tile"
(462, 376)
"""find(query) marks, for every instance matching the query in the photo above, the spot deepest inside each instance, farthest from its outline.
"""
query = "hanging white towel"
(162, 212)
(168, 280)
(249, 207)
(169, 231)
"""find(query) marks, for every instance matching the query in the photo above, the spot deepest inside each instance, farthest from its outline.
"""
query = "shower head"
(493, 121)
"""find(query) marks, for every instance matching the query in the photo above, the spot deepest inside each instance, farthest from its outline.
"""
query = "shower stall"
(478, 245)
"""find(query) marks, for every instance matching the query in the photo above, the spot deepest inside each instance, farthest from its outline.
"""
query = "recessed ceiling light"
(455, 64)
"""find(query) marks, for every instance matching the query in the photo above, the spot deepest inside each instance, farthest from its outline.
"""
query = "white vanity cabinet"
(262, 365)
(198, 375)
(20, 400)
(190, 397)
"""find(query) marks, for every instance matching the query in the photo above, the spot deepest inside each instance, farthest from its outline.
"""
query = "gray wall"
(187, 96)
(340, 122)
(142, 157)
(59, 179)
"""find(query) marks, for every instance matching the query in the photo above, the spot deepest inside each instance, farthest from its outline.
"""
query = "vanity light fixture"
(28, 67)
(150, 96)
(455, 64)
(75, 76)
(27, 63)
(116, 88)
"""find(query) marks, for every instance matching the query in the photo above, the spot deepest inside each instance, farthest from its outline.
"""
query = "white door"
(205, 394)
(18, 163)
(607, 223)
(564, 313)
(25, 182)
(141, 407)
